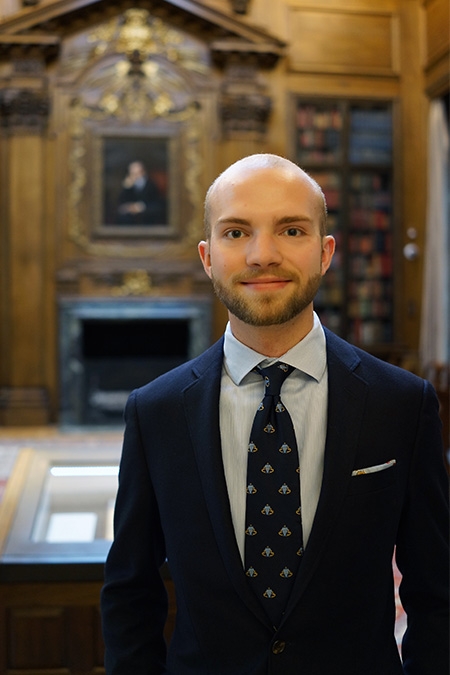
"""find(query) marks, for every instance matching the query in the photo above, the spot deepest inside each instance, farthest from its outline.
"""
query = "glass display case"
(64, 514)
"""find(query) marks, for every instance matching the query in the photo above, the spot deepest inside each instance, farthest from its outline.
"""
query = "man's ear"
(205, 256)
(328, 246)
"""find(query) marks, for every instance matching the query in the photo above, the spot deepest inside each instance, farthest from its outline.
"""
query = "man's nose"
(263, 250)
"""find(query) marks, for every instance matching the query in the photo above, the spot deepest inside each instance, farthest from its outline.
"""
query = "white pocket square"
(374, 469)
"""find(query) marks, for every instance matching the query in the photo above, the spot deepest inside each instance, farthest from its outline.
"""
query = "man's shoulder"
(177, 379)
(366, 365)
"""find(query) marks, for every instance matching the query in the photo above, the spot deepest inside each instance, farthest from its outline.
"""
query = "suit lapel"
(346, 402)
(202, 409)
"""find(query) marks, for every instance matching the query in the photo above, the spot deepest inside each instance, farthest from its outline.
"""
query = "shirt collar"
(308, 355)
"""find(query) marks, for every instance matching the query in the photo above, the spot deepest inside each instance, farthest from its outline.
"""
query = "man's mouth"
(265, 283)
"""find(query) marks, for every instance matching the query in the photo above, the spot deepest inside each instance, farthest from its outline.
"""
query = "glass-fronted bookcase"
(347, 146)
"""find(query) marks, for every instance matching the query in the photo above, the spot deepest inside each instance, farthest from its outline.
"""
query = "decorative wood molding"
(244, 106)
(24, 405)
(24, 109)
(240, 6)
(44, 25)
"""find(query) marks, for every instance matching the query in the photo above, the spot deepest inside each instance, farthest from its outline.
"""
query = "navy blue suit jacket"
(172, 502)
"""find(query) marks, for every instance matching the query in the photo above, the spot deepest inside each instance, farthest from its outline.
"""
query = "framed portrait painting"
(135, 186)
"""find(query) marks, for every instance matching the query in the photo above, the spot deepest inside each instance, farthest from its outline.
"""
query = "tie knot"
(274, 376)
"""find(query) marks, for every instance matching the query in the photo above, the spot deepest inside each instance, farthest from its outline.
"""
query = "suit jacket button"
(278, 647)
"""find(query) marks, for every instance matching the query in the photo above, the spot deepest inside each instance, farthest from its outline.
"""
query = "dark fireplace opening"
(120, 355)
(110, 346)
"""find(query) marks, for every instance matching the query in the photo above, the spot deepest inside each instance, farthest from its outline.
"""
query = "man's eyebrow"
(232, 220)
(286, 220)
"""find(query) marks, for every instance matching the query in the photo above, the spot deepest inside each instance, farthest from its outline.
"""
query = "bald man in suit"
(371, 472)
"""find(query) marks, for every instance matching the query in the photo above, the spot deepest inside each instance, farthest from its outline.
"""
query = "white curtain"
(434, 337)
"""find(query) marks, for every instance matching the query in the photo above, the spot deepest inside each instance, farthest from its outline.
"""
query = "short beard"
(264, 311)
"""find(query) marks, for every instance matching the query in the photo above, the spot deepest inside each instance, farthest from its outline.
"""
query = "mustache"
(258, 274)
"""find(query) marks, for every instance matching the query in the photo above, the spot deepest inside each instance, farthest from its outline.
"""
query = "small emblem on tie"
(251, 572)
(269, 429)
(268, 553)
(286, 573)
(250, 531)
(285, 490)
(285, 449)
(269, 593)
(267, 510)
(267, 468)
(251, 490)
(285, 532)
(252, 447)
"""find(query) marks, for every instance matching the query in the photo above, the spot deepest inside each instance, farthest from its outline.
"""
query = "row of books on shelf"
(365, 139)
(361, 199)
(370, 181)
(360, 331)
(315, 156)
(319, 117)
(372, 266)
(367, 308)
(321, 139)
(329, 295)
(370, 332)
(369, 155)
(369, 119)
(368, 219)
(368, 243)
(372, 289)
(328, 180)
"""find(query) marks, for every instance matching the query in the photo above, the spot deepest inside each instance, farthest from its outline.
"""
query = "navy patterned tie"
(273, 526)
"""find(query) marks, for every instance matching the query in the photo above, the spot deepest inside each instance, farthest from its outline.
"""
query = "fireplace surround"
(109, 346)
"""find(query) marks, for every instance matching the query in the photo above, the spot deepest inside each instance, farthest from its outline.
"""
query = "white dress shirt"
(305, 395)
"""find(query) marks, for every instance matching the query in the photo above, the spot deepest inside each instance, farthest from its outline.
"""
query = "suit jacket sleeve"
(422, 551)
(134, 600)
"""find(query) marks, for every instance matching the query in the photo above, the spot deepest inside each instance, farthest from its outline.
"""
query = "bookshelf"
(347, 146)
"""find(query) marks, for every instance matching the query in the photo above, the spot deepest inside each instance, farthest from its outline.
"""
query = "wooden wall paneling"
(3, 259)
(26, 399)
(50, 244)
(413, 168)
(55, 628)
(36, 638)
(343, 42)
(437, 57)
(437, 29)
(347, 5)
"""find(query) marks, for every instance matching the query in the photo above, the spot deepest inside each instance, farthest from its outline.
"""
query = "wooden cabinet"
(347, 146)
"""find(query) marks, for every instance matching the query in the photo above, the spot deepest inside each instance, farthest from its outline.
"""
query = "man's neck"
(273, 341)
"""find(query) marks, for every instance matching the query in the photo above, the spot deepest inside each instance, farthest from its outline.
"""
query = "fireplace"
(108, 347)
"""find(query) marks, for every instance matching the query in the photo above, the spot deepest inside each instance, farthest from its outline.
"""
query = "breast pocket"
(373, 480)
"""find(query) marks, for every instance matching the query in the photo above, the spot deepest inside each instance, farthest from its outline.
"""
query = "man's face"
(266, 257)
(136, 170)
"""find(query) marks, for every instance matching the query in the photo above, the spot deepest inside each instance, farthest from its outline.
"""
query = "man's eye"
(293, 232)
(234, 234)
